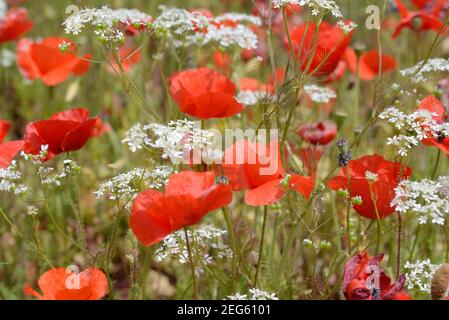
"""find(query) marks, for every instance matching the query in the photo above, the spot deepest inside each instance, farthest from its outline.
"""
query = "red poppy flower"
(320, 133)
(418, 20)
(58, 284)
(435, 6)
(204, 93)
(14, 24)
(330, 47)
(338, 73)
(364, 279)
(434, 106)
(251, 84)
(63, 132)
(128, 56)
(8, 150)
(258, 168)
(188, 197)
(222, 61)
(369, 63)
(44, 60)
(310, 157)
(388, 176)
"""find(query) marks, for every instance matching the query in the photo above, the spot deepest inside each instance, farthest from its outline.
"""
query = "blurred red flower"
(369, 65)
(65, 131)
(8, 150)
(419, 21)
(204, 93)
(14, 24)
(258, 168)
(363, 279)
(128, 56)
(54, 285)
(188, 197)
(434, 106)
(319, 133)
(330, 47)
(388, 176)
(44, 60)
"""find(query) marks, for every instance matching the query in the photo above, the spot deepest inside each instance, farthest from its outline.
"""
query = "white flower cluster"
(3, 8)
(319, 94)
(347, 27)
(419, 275)
(105, 22)
(127, 185)
(177, 21)
(317, 6)
(239, 36)
(175, 140)
(50, 178)
(418, 71)
(239, 17)
(426, 198)
(206, 240)
(254, 294)
(36, 159)
(250, 97)
(413, 127)
(9, 180)
(7, 58)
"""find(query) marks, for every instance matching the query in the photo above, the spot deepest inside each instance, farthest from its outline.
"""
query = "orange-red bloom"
(14, 24)
(319, 133)
(58, 284)
(128, 56)
(44, 60)
(363, 279)
(8, 150)
(65, 131)
(204, 93)
(369, 63)
(419, 21)
(434, 106)
(382, 190)
(258, 168)
(330, 47)
(188, 197)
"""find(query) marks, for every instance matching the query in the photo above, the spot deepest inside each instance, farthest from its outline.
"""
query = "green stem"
(259, 260)
(228, 219)
(192, 266)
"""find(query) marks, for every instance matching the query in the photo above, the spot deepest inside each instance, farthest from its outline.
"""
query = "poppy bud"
(222, 180)
(343, 193)
(440, 282)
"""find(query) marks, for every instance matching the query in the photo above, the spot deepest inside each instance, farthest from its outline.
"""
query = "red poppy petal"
(74, 114)
(52, 281)
(149, 225)
(303, 185)
(265, 194)
(4, 128)
(8, 151)
(77, 138)
(189, 183)
(433, 105)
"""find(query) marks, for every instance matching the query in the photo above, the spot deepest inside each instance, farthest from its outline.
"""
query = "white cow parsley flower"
(207, 240)
(420, 69)
(347, 27)
(9, 180)
(239, 36)
(413, 128)
(3, 8)
(254, 294)
(127, 185)
(426, 198)
(239, 17)
(319, 94)
(316, 6)
(105, 22)
(419, 275)
(176, 139)
(50, 177)
(7, 58)
(177, 21)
